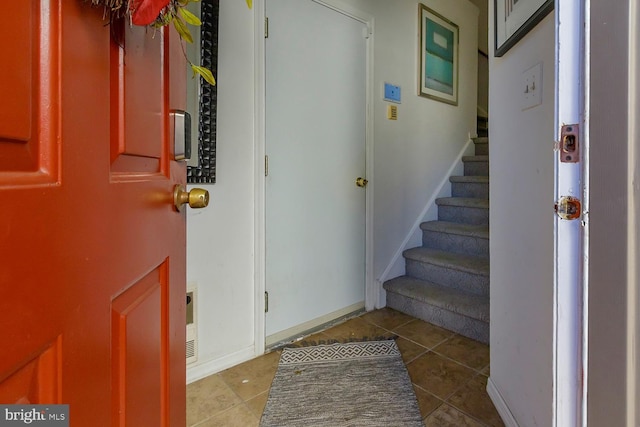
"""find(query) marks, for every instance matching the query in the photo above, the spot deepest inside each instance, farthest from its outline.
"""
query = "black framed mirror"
(202, 168)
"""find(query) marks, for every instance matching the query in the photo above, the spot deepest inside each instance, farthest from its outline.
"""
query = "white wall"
(521, 218)
(413, 154)
(483, 61)
(220, 238)
(614, 216)
(483, 24)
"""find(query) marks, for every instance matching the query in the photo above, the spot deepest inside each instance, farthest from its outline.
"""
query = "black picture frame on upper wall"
(514, 19)
(205, 172)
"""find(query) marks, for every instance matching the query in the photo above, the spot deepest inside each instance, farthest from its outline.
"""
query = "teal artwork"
(438, 57)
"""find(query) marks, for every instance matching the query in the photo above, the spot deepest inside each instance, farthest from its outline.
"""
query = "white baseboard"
(501, 406)
(396, 265)
(201, 370)
(312, 324)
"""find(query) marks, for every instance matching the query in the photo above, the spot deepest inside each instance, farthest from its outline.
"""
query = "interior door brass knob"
(361, 182)
(196, 198)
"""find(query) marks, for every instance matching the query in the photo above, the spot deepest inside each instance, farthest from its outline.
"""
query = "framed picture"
(438, 57)
(515, 18)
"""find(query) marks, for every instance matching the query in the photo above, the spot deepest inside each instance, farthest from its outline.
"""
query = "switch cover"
(531, 88)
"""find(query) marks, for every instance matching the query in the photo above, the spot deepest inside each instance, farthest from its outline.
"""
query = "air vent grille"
(192, 320)
(191, 349)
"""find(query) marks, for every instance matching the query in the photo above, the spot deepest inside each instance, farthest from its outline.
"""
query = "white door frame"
(571, 236)
(371, 294)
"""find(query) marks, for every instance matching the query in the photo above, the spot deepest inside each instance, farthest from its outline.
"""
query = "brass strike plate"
(570, 144)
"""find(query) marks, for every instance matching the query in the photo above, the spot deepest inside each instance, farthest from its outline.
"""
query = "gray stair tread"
(470, 179)
(467, 263)
(481, 231)
(481, 140)
(464, 202)
(484, 158)
(466, 304)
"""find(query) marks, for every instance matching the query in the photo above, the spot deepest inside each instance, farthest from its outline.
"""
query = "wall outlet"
(531, 87)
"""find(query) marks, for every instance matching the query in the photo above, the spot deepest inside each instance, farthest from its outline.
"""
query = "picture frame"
(203, 168)
(437, 56)
(514, 19)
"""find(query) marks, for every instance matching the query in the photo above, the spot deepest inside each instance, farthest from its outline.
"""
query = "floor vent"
(192, 336)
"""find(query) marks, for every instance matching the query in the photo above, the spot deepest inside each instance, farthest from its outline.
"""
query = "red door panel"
(138, 94)
(30, 104)
(92, 283)
(139, 347)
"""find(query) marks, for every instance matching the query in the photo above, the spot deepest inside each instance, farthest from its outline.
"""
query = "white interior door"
(315, 142)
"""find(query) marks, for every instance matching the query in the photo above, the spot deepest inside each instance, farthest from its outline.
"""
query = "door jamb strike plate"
(570, 144)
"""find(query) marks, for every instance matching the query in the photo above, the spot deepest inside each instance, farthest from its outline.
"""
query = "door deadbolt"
(568, 208)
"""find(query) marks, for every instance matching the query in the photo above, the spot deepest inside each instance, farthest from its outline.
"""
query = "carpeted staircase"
(447, 278)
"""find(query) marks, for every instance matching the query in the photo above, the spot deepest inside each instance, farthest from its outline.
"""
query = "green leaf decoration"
(189, 17)
(162, 20)
(250, 3)
(182, 29)
(205, 73)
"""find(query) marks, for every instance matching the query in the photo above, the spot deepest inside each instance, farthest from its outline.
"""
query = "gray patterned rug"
(342, 385)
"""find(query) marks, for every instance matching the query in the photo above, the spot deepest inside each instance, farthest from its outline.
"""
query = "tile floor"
(449, 373)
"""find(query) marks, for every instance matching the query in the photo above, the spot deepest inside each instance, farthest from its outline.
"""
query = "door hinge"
(266, 165)
(266, 302)
(266, 27)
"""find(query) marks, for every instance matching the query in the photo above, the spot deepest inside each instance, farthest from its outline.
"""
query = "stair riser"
(476, 168)
(470, 189)
(463, 325)
(456, 279)
(463, 215)
(468, 245)
(482, 149)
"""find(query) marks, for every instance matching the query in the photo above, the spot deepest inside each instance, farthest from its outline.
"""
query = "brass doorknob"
(196, 198)
(361, 182)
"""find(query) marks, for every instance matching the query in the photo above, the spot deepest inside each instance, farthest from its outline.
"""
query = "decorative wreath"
(156, 14)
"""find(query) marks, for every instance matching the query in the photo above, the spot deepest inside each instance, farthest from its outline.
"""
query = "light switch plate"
(392, 93)
(531, 88)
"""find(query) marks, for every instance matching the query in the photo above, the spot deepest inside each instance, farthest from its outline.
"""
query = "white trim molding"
(312, 325)
(259, 173)
(198, 371)
(570, 345)
(501, 405)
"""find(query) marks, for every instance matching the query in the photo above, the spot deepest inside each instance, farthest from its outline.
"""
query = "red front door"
(92, 279)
